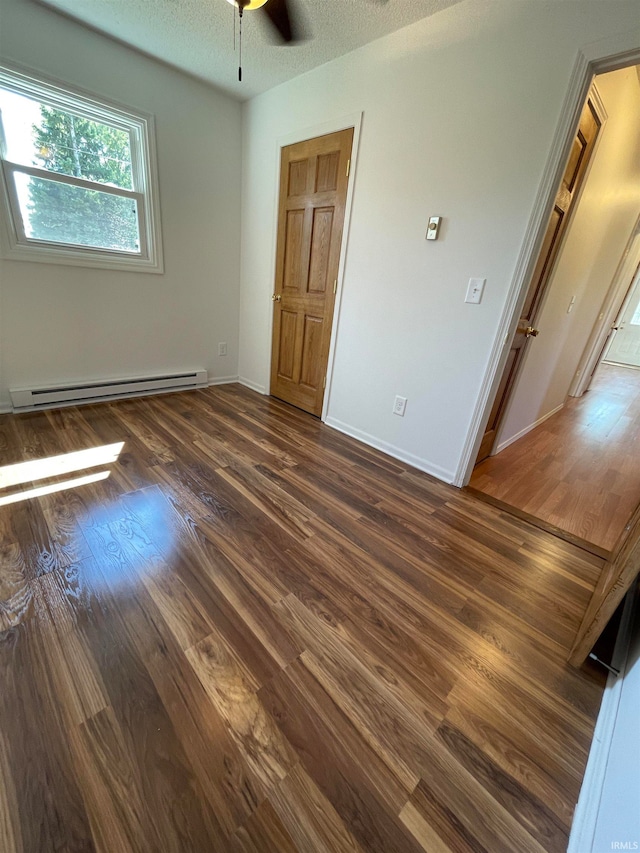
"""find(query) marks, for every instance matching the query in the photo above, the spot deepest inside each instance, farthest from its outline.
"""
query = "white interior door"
(624, 347)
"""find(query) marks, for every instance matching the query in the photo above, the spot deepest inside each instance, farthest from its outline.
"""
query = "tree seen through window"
(72, 145)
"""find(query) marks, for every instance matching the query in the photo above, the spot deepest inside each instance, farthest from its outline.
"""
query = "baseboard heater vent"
(30, 399)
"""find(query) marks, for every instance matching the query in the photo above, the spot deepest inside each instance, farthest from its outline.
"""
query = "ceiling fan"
(285, 23)
(278, 12)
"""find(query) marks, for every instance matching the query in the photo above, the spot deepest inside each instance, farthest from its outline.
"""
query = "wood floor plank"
(259, 740)
(170, 788)
(179, 608)
(26, 525)
(257, 617)
(51, 812)
(10, 836)
(112, 787)
(229, 788)
(423, 831)
(476, 831)
(15, 591)
(256, 634)
(531, 812)
(264, 832)
(78, 683)
(346, 770)
(578, 470)
(272, 502)
(352, 669)
(550, 785)
(134, 469)
(309, 817)
(532, 656)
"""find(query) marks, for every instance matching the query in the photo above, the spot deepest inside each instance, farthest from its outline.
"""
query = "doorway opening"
(563, 435)
(623, 344)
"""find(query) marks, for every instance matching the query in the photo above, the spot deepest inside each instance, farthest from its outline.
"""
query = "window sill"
(93, 259)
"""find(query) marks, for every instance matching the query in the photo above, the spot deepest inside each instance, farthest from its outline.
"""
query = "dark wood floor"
(259, 635)
(579, 471)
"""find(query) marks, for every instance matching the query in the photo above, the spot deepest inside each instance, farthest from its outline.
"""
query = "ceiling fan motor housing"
(247, 4)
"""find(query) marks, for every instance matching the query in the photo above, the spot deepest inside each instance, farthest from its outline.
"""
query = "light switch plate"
(433, 228)
(475, 289)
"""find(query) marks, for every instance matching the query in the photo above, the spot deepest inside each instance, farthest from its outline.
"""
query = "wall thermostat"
(433, 227)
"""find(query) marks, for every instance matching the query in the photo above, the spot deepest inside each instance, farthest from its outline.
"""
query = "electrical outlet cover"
(399, 406)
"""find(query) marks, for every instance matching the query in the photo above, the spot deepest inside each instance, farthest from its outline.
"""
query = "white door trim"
(353, 120)
(605, 55)
(585, 818)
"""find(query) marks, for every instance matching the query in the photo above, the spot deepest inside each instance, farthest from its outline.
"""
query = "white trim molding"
(598, 57)
(222, 380)
(504, 444)
(391, 450)
(254, 386)
(583, 828)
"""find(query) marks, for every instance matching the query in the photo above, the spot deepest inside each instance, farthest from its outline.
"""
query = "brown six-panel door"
(313, 188)
(579, 157)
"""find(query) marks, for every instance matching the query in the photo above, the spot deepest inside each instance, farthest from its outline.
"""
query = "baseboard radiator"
(31, 399)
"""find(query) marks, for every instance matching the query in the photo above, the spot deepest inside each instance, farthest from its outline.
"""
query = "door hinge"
(324, 382)
(335, 285)
(348, 167)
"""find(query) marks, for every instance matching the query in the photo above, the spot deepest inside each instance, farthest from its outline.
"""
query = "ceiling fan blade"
(282, 21)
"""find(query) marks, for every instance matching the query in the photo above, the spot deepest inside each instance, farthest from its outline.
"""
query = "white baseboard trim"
(222, 380)
(583, 828)
(5, 408)
(504, 444)
(248, 383)
(391, 450)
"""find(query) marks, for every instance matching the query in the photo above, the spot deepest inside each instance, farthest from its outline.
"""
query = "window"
(77, 178)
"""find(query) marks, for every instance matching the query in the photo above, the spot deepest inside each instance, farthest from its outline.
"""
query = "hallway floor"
(580, 469)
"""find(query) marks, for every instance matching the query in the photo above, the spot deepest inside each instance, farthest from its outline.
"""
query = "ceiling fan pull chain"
(240, 43)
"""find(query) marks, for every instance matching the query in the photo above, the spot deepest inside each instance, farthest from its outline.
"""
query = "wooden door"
(581, 152)
(313, 188)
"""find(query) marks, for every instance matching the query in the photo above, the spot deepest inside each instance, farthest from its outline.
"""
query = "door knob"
(530, 332)
(276, 297)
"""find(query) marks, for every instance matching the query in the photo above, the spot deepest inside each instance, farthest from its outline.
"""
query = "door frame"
(545, 284)
(608, 54)
(611, 308)
(353, 120)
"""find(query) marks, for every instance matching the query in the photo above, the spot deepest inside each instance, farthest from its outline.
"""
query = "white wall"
(595, 241)
(459, 114)
(60, 323)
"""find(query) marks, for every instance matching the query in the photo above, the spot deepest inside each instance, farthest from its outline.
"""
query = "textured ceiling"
(197, 35)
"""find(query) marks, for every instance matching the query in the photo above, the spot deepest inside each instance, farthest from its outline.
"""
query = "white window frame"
(16, 245)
